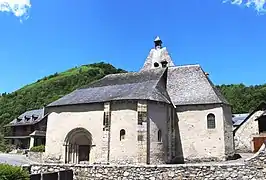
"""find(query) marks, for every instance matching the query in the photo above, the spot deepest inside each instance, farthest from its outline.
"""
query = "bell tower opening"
(156, 64)
(158, 43)
(164, 64)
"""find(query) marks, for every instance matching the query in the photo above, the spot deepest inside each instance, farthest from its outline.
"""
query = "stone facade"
(139, 143)
(253, 169)
(158, 115)
(35, 156)
(228, 131)
(245, 133)
(200, 143)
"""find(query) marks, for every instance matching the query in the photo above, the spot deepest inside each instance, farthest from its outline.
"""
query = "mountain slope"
(243, 98)
(44, 91)
(50, 88)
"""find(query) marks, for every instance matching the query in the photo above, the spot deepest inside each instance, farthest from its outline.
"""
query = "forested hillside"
(44, 91)
(243, 98)
(48, 89)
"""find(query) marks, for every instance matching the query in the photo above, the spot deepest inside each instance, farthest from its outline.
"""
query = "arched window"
(211, 121)
(122, 134)
(159, 136)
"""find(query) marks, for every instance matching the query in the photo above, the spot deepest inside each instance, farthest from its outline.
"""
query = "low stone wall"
(35, 156)
(253, 169)
(162, 172)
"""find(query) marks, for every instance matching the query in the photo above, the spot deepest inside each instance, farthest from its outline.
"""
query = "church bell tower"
(158, 57)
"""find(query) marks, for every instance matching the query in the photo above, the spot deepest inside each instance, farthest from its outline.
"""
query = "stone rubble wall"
(161, 172)
(36, 156)
(252, 169)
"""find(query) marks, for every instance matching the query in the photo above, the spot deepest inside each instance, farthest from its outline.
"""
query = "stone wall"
(199, 142)
(254, 169)
(35, 156)
(165, 172)
(245, 133)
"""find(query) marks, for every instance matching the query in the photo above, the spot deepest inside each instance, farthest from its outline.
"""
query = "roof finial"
(158, 42)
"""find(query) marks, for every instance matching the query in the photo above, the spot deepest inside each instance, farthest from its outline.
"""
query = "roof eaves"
(262, 114)
(216, 91)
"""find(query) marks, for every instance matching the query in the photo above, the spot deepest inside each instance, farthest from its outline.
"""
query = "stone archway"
(78, 143)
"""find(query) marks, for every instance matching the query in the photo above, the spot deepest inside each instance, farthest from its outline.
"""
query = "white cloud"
(19, 8)
(259, 5)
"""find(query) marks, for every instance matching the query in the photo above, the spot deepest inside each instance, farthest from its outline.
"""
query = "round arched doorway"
(78, 144)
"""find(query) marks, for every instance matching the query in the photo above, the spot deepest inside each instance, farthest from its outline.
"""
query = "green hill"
(48, 89)
(243, 98)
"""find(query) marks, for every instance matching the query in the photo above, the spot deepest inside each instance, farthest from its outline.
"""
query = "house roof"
(28, 118)
(261, 106)
(188, 85)
(38, 133)
(239, 118)
(124, 86)
(262, 115)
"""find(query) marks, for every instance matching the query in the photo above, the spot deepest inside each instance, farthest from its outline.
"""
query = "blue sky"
(227, 40)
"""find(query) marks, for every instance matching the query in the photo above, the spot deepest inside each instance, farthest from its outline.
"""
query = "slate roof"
(123, 86)
(188, 85)
(261, 107)
(239, 118)
(28, 118)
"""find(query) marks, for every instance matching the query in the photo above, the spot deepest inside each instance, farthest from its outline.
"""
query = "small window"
(122, 134)
(142, 113)
(34, 117)
(106, 120)
(159, 136)
(19, 119)
(27, 118)
(142, 116)
(211, 121)
(164, 64)
(140, 136)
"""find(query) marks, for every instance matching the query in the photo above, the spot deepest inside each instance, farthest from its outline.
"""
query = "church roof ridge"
(186, 65)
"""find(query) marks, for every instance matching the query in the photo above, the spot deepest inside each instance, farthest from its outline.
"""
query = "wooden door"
(84, 153)
(258, 141)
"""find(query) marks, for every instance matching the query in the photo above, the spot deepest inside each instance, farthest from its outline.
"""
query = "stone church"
(161, 114)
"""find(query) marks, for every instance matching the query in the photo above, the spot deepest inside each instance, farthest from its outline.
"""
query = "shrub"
(8, 172)
(40, 148)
